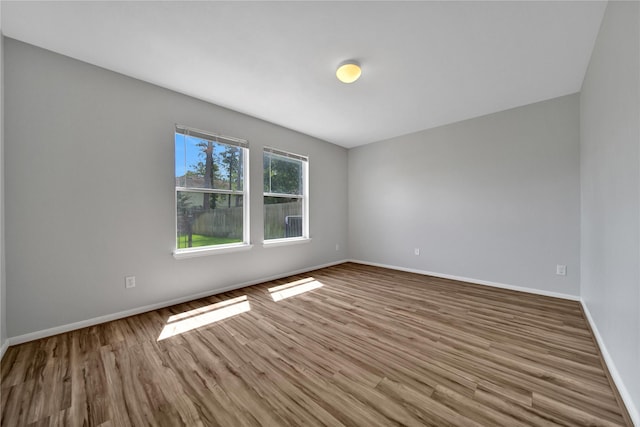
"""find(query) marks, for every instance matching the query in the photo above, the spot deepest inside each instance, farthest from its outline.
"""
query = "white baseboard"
(474, 281)
(126, 313)
(3, 348)
(615, 375)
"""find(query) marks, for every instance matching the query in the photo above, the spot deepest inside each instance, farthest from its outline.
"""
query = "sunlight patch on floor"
(193, 319)
(291, 289)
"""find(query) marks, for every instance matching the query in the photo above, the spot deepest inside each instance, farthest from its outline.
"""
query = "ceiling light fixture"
(348, 71)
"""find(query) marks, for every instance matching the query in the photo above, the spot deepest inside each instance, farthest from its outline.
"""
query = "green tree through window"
(210, 190)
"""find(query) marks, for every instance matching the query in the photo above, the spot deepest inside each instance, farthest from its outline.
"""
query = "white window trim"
(274, 243)
(210, 250)
(246, 220)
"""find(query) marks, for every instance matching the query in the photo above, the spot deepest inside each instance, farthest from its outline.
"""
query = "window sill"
(222, 249)
(274, 243)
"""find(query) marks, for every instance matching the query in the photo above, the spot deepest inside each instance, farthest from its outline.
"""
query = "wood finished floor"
(369, 347)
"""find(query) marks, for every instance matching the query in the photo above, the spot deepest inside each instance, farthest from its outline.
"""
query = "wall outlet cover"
(130, 282)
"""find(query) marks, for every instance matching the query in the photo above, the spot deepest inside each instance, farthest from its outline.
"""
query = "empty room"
(320, 213)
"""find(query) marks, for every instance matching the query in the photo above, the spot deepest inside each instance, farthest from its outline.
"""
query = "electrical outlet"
(561, 270)
(416, 251)
(337, 247)
(130, 282)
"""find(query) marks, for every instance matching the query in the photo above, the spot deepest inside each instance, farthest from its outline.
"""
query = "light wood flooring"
(361, 346)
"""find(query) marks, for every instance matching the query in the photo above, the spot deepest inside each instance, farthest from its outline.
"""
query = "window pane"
(229, 165)
(201, 163)
(282, 175)
(206, 219)
(282, 217)
(181, 160)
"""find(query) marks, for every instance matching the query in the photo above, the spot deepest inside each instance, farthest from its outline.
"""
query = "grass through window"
(200, 240)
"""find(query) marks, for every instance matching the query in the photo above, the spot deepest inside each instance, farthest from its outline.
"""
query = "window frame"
(243, 145)
(304, 160)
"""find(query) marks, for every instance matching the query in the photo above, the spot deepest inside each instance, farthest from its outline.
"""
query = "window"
(286, 204)
(211, 192)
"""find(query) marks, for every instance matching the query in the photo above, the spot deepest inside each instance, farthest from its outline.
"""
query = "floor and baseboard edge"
(632, 410)
(608, 361)
(471, 280)
(138, 310)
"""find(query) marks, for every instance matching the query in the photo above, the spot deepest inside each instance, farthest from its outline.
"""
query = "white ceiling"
(424, 64)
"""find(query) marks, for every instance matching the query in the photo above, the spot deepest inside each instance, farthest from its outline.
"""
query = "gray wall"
(3, 299)
(90, 193)
(610, 185)
(494, 198)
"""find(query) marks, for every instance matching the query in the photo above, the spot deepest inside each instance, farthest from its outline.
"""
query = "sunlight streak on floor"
(291, 289)
(193, 319)
(206, 309)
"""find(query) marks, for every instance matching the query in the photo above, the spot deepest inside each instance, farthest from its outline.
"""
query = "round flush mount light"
(348, 71)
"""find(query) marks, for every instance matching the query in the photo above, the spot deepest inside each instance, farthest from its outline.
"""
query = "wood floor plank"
(366, 346)
(430, 411)
(525, 413)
